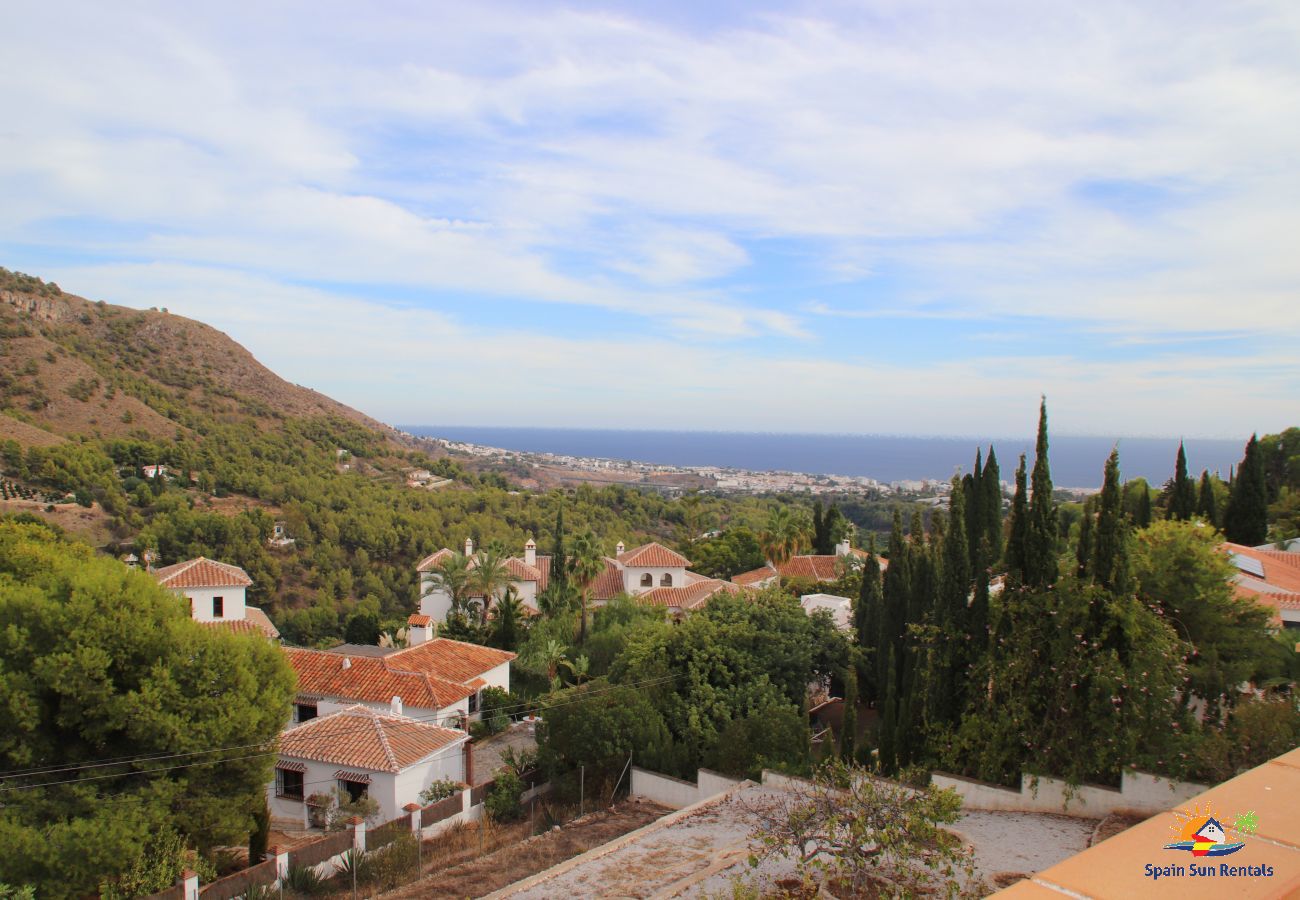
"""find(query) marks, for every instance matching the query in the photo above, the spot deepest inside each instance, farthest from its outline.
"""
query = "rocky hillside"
(72, 367)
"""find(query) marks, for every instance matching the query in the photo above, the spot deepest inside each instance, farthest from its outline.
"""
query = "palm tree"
(452, 576)
(783, 536)
(548, 657)
(580, 667)
(489, 577)
(586, 561)
(508, 612)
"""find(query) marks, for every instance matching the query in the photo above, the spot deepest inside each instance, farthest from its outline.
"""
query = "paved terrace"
(698, 851)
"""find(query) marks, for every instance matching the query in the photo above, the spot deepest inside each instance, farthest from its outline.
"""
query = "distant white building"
(216, 593)
(651, 571)
(841, 608)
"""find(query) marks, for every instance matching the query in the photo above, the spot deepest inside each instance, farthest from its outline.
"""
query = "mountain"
(72, 367)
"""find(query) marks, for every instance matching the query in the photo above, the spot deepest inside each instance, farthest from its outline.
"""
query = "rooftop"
(200, 573)
(364, 739)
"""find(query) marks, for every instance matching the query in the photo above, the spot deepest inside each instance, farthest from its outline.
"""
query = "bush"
(439, 790)
(304, 880)
(502, 802)
(498, 706)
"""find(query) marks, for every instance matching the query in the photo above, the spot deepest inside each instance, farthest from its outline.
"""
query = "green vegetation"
(98, 662)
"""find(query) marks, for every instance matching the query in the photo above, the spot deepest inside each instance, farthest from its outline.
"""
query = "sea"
(1076, 461)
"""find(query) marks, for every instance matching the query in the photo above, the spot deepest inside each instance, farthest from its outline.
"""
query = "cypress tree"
(887, 742)
(866, 619)
(1041, 532)
(977, 618)
(833, 523)
(1207, 507)
(559, 577)
(1245, 521)
(819, 530)
(849, 724)
(950, 654)
(1143, 517)
(973, 489)
(1182, 504)
(991, 507)
(1083, 552)
(1019, 527)
(1109, 565)
(896, 590)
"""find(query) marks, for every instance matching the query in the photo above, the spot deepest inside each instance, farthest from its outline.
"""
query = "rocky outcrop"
(45, 309)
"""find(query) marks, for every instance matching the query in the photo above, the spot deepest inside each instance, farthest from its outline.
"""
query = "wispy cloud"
(683, 184)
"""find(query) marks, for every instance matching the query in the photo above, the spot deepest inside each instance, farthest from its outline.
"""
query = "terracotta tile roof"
(653, 556)
(449, 660)
(372, 679)
(364, 739)
(254, 622)
(608, 584)
(1281, 570)
(433, 560)
(754, 576)
(1116, 867)
(521, 571)
(691, 597)
(419, 620)
(201, 572)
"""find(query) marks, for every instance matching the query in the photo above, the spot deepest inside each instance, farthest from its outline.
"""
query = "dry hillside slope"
(72, 367)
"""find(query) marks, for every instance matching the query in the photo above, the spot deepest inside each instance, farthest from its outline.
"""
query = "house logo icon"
(1201, 834)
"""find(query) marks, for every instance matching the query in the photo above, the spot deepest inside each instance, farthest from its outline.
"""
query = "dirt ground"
(488, 754)
(517, 861)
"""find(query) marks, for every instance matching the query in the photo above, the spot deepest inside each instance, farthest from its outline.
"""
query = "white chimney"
(418, 631)
(618, 549)
(530, 552)
(395, 706)
(469, 546)
(347, 663)
(843, 547)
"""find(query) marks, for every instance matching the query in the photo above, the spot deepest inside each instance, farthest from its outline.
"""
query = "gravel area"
(488, 754)
(1022, 842)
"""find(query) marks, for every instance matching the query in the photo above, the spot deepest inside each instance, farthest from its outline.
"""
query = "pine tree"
(866, 619)
(1019, 527)
(1041, 531)
(1182, 504)
(1207, 507)
(1109, 565)
(991, 507)
(1245, 521)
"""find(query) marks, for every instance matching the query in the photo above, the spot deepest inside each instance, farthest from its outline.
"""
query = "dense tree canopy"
(98, 662)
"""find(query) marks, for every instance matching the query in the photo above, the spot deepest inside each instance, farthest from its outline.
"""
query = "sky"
(882, 217)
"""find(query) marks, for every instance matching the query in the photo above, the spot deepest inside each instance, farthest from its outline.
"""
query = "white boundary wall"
(675, 793)
(1139, 792)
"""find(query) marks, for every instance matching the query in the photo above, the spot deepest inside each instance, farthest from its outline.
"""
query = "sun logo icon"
(1202, 834)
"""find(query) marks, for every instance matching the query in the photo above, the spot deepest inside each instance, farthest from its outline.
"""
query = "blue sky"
(901, 217)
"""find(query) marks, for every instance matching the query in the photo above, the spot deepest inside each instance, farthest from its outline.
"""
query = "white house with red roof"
(216, 594)
(819, 568)
(529, 576)
(359, 751)
(439, 681)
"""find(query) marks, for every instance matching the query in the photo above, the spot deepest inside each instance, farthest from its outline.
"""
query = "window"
(647, 580)
(354, 789)
(218, 607)
(667, 580)
(303, 712)
(473, 703)
(288, 784)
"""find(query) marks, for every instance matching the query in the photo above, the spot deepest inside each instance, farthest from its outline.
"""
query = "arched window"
(667, 580)
(647, 580)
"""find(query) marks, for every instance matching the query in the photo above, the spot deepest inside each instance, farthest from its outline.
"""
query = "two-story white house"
(358, 751)
(529, 575)
(216, 594)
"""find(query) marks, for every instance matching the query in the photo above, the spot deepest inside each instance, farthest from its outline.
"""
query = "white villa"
(216, 592)
(387, 756)
(652, 572)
